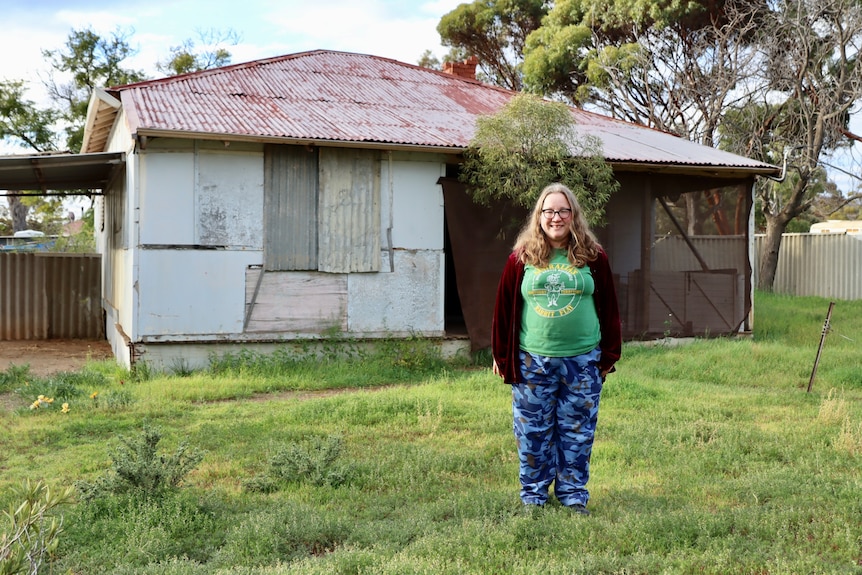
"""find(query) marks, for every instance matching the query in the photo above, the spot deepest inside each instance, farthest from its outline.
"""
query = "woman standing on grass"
(555, 336)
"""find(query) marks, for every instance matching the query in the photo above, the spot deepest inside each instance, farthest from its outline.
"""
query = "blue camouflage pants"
(555, 414)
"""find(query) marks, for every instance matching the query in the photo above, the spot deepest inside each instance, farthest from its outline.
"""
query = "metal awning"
(53, 174)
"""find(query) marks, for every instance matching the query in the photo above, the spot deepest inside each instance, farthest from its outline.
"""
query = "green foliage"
(90, 60)
(529, 144)
(313, 461)
(68, 385)
(30, 537)
(568, 53)
(69, 388)
(82, 242)
(333, 363)
(208, 53)
(428, 60)
(14, 377)
(495, 31)
(138, 467)
(286, 534)
(22, 121)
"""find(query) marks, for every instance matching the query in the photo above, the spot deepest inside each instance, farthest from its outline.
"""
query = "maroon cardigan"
(506, 325)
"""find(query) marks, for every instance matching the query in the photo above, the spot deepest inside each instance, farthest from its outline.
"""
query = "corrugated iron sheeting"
(824, 265)
(73, 284)
(50, 296)
(290, 208)
(672, 253)
(337, 96)
(23, 301)
(349, 238)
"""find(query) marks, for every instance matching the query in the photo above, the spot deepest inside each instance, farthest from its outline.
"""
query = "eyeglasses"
(564, 214)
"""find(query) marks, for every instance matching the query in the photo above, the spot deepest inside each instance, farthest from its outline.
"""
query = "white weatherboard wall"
(417, 204)
(202, 196)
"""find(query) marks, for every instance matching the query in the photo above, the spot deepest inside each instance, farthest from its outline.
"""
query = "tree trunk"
(769, 254)
(690, 214)
(19, 212)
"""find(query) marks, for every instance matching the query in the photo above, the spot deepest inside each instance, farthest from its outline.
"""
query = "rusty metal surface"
(23, 302)
(337, 97)
(47, 296)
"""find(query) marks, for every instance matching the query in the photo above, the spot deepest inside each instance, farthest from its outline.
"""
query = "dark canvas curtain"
(481, 239)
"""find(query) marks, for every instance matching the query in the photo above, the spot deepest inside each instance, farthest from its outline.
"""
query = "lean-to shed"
(316, 194)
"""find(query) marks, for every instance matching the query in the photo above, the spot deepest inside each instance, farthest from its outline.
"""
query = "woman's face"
(556, 227)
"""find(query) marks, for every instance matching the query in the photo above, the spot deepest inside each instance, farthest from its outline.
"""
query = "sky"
(397, 29)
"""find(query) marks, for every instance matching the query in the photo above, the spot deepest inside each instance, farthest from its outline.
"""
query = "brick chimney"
(465, 69)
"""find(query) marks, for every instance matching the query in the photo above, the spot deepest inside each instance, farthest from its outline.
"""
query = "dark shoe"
(579, 509)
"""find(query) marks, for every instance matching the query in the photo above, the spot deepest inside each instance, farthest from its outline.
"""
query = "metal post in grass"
(820, 347)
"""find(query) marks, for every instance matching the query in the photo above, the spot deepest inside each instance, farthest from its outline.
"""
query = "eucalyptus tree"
(495, 31)
(208, 52)
(85, 61)
(668, 65)
(810, 52)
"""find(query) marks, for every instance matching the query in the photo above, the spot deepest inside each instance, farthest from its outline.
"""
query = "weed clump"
(138, 467)
(314, 461)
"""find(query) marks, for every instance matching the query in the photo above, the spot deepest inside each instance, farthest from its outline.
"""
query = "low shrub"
(137, 466)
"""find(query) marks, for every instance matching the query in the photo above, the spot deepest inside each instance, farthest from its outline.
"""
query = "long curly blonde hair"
(533, 246)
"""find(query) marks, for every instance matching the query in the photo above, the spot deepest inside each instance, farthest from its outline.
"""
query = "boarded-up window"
(321, 209)
(290, 208)
(349, 233)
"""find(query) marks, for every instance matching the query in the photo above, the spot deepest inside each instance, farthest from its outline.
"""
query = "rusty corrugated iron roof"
(354, 99)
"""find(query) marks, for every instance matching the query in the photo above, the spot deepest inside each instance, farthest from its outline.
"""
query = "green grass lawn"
(710, 457)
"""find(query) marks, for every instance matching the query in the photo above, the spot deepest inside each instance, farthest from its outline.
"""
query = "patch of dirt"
(49, 356)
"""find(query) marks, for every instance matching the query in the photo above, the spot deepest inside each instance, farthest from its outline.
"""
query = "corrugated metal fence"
(50, 296)
(825, 265)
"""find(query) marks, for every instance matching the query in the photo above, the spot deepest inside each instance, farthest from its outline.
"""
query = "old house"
(315, 194)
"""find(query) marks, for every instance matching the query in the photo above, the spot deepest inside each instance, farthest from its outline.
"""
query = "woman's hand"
(497, 369)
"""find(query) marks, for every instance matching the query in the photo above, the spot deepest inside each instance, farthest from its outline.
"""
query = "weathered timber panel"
(297, 303)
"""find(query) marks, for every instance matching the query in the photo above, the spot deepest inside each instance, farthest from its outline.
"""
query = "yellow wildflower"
(48, 400)
(65, 408)
(35, 404)
(94, 395)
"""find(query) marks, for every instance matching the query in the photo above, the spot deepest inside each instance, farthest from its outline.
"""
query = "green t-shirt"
(559, 318)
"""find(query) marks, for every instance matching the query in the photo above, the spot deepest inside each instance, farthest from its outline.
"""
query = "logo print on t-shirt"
(556, 290)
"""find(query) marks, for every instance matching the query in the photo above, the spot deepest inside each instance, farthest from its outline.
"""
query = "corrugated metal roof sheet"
(56, 171)
(342, 97)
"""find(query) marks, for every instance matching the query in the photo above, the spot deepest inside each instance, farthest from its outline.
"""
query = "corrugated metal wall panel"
(671, 253)
(73, 285)
(44, 296)
(23, 302)
(349, 211)
(290, 208)
(825, 265)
